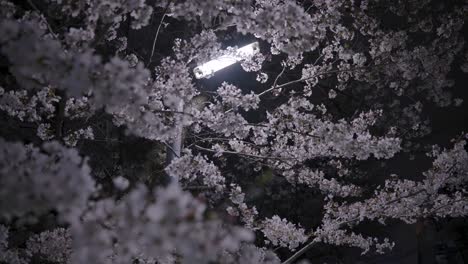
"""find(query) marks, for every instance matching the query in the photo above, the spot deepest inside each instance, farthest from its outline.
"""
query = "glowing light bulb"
(209, 68)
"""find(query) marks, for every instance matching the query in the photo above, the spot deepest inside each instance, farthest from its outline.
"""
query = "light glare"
(208, 68)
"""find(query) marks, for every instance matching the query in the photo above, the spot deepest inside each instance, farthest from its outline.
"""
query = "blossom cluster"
(283, 233)
(189, 167)
(402, 199)
(155, 224)
(36, 180)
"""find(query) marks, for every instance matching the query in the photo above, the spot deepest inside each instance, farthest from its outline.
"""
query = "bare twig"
(45, 20)
(299, 253)
(279, 75)
(157, 32)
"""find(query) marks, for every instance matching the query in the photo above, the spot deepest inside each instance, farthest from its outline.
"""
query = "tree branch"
(157, 32)
(299, 253)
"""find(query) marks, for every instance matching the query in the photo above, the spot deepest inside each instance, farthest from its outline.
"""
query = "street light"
(208, 68)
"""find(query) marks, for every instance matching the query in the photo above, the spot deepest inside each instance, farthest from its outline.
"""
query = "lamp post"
(206, 70)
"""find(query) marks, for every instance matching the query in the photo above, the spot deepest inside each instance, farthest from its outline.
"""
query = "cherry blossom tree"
(336, 85)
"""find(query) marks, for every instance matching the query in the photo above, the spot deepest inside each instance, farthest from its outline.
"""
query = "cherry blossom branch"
(172, 112)
(242, 154)
(60, 116)
(288, 130)
(449, 204)
(406, 196)
(197, 188)
(308, 246)
(298, 80)
(210, 139)
(315, 76)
